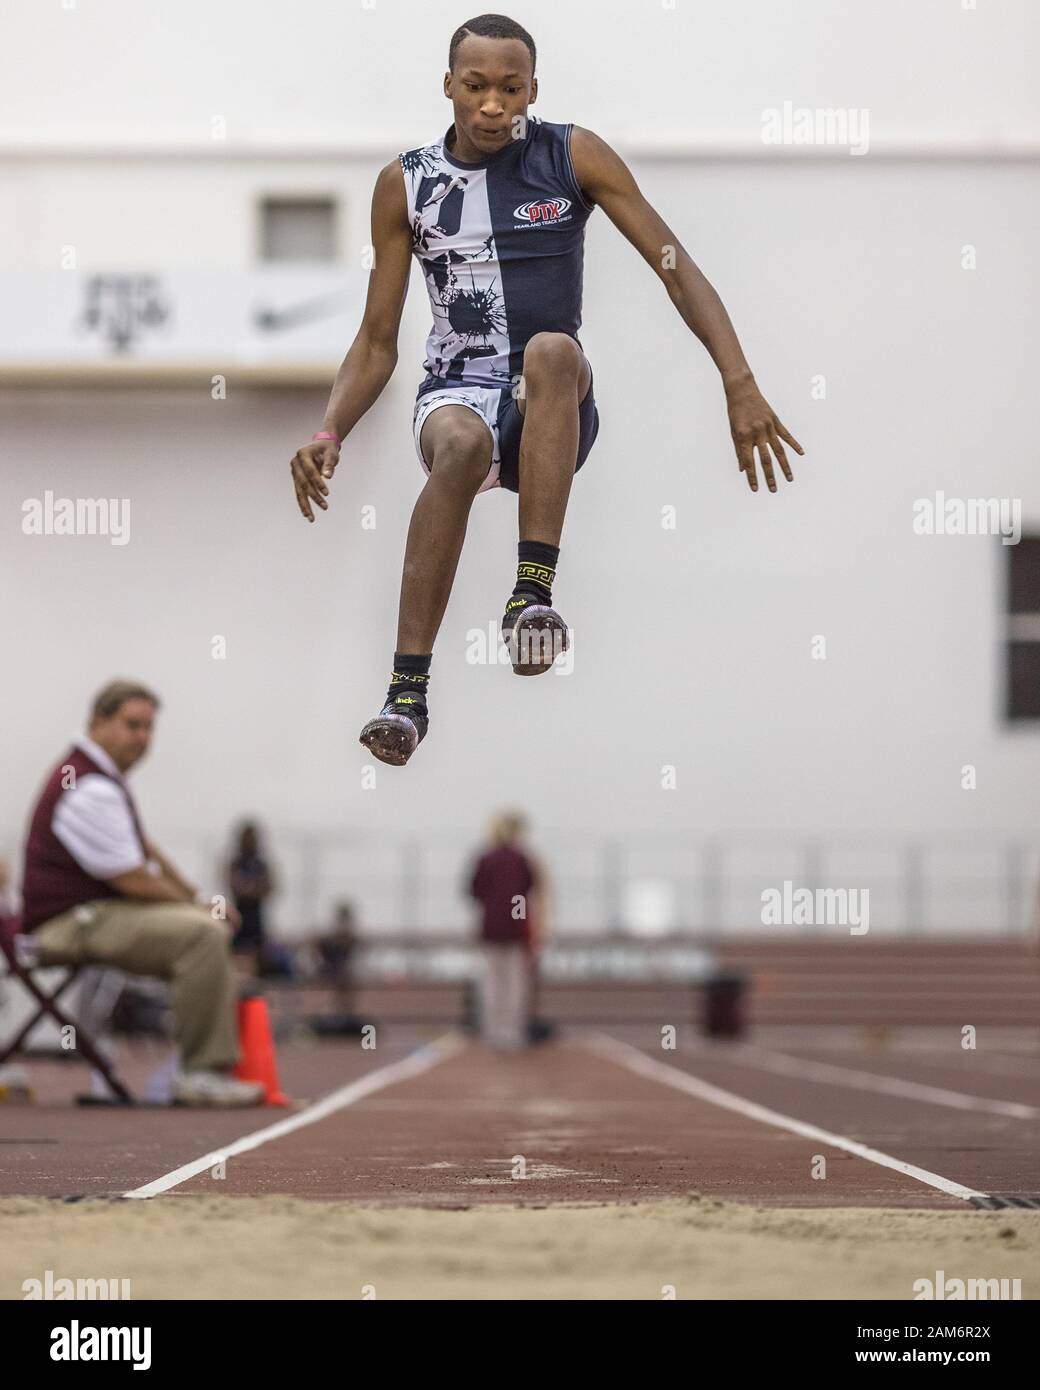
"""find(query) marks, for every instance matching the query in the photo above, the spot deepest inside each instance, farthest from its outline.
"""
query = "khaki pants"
(504, 996)
(179, 942)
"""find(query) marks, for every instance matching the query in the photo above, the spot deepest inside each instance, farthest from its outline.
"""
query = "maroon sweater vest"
(501, 875)
(53, 882)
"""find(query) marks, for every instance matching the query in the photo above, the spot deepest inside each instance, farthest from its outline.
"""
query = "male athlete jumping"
(494, 212)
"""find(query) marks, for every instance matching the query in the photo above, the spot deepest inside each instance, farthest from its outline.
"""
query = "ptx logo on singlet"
(544, 210)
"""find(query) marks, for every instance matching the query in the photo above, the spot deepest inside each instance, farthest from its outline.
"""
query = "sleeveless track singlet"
(501, 246)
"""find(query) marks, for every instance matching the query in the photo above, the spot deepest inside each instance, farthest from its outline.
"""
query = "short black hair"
(491, 26)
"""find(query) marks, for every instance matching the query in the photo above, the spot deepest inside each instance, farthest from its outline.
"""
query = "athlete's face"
(490, 86)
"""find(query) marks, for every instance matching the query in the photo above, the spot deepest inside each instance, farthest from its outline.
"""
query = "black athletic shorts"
(498, 409)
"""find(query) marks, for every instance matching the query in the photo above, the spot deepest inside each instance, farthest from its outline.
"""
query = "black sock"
(536, 569)
(410, 676)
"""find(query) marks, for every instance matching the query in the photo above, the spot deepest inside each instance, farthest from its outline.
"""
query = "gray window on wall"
(298, 229)
(1023, 629)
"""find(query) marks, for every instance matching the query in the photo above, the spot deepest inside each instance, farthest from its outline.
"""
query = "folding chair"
(22, 956)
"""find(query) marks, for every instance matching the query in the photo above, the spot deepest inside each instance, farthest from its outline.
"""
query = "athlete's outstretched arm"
(370, 363)
(606, 180)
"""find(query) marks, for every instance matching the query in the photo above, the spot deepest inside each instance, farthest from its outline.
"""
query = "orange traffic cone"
(256, 1047)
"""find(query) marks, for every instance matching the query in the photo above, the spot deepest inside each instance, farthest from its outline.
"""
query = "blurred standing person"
(506, 882)
(336, 951)
(251, 884)
(336, 948)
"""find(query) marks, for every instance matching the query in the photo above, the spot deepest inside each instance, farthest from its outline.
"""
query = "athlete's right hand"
(313, 464)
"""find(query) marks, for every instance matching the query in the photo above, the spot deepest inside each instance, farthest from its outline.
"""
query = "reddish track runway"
(588, 1126)
(58, 1149)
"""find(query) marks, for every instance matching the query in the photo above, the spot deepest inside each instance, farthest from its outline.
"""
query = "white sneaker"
(215, 1088)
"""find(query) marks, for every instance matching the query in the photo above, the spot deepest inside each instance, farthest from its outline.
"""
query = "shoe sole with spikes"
(536, 639)
(393, 738)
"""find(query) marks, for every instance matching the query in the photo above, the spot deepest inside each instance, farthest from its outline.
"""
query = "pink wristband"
(326, 434)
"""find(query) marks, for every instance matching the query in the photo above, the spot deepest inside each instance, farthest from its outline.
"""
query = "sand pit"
(280, 1247)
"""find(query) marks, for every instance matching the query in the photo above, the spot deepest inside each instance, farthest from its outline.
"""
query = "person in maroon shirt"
(508, 883)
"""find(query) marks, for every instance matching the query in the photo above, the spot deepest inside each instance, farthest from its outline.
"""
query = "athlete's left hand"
(754, 425)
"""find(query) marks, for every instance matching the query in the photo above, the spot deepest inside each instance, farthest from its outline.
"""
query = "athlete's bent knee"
(551, 354)
(461, 459)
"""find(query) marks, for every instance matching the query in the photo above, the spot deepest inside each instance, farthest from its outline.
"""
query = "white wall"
(317, 69)
(928, 385)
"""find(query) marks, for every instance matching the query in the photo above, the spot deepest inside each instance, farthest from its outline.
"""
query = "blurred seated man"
(97, 891)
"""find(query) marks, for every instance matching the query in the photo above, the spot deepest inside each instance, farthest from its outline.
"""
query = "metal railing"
(647, 885)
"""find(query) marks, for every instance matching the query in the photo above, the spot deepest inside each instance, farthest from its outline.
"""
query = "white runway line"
(998, 1066)
(414, 1065)
(638, 1062)
(1021, 1063)
(804, 1069)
